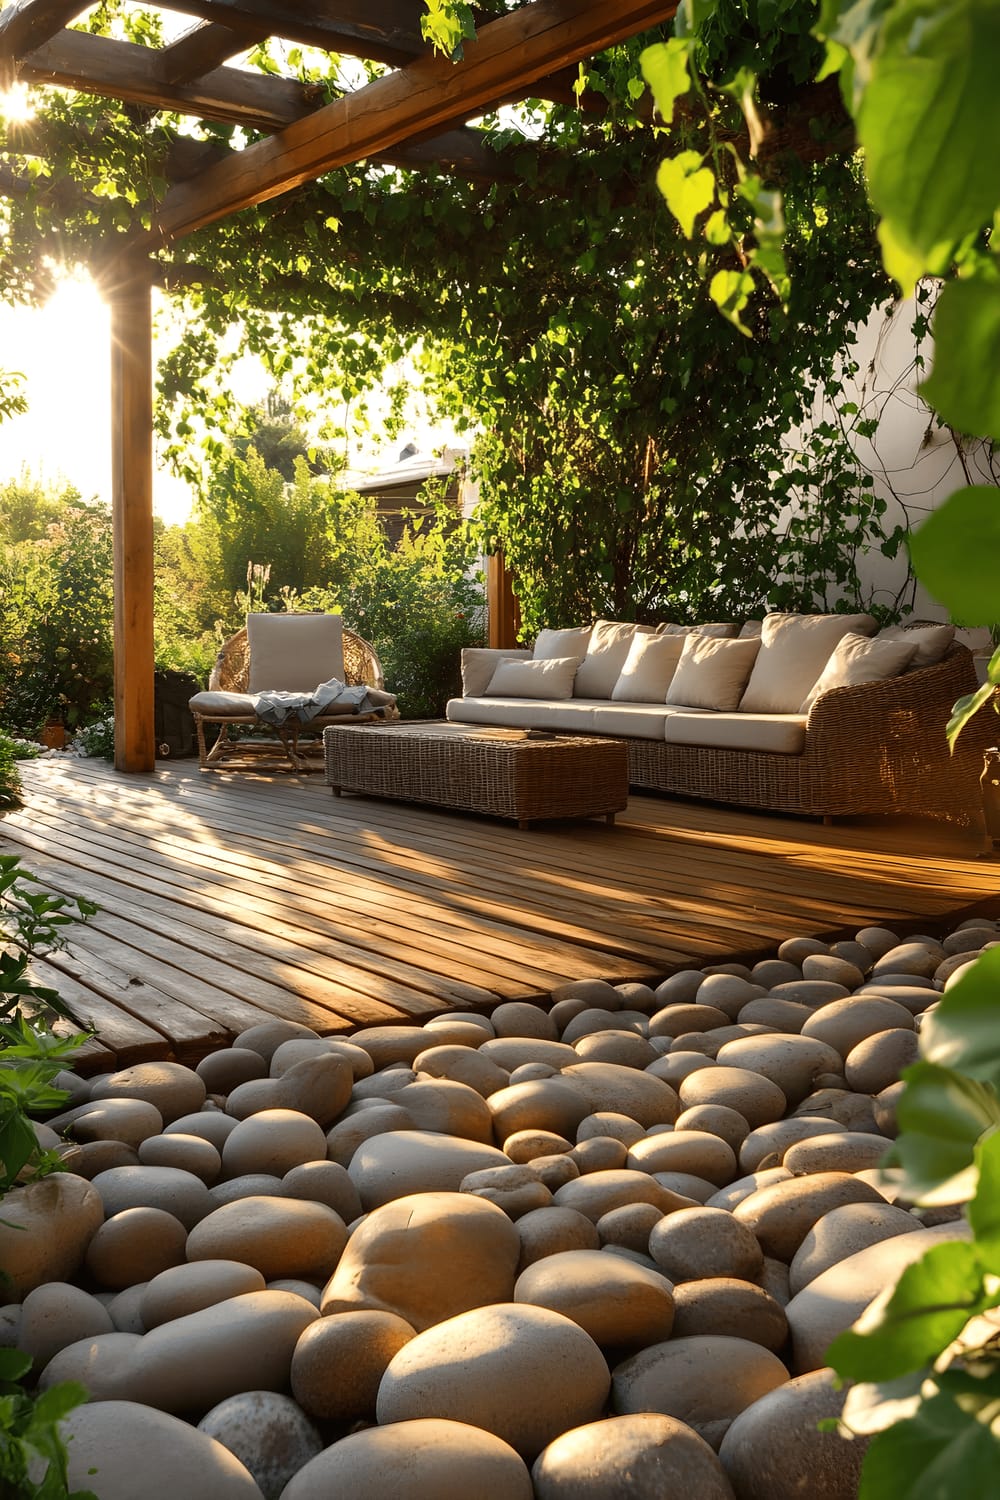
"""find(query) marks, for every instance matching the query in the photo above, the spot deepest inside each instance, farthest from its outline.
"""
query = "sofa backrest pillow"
(478, 665)
(712, 672)
(294, 653)
(607, 650)
(856, 659)
(794, 649)
(648, 670)
(562, 643)
(714, 627)
(931, 641)
(551, 677)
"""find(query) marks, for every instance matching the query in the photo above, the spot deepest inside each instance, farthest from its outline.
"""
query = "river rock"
(251, 1185)
(267, 1036)
(675, 1020)
(134, 1246)
(277, 1236)
(273, 1141)
(521, 1018)
(782, 1214)
(684, 1379)
(623, 1048)
(621, 1305)
(208, 1124)
(743, 1187)
(479, 1366)
(599, 1192)
(382, 1085)
(768, 1143)
(675, 1066)
(639, 1095)
(541, 1104)
(644, 1457)
(225, 1070)
(465, 1065)
(45, 1228)
(752, 1095)
(525, 1145)
(189, 1152)
(776, 1014)
(601, 1153)
(692, 1151)
(428, 1459)
(517, 1190)
(174, 1089)
(319, 1087)
(449, 1107)
(351, 1131)
(877, 1061)
(716, 1119)
(629, 1226)
(301, 1050)
(129, 1121)
(730, 1305)
(791, 1062)
(909, 958)
(842, 1233)
(843, 1151)
(100, 1156)
(111, 1442)
(854, 1111)
(548, 1231)
(426, 1258)
(593, 1021)
(187, 1289)
(727, 992)
(835, 970)
(606, 1122)
(339, 1362)
(324, 1182)
(56, 1315)
(268, 1433)
(101, 1364)
(171, 1189)
(775, 1450)
(845, 1023)
(698, 1242)
(416, 1161)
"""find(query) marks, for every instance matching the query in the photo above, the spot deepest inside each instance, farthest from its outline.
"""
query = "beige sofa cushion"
(480, 662)
(794, 649)
(572, 716)
(294, 653)
(931, 641)
(562, 643)
(778, 734)
(714, 627)
(712, 672)
(607, 651)
(635, 721)
(551, 677)
(648, 668)
(856, 659)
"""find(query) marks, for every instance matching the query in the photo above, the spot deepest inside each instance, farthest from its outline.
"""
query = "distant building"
(396, 490)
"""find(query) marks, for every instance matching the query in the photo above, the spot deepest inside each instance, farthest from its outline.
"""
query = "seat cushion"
(781, 734)
(794, 649)
(712, 672)
(549, 677)
(637, 721)
(294, 653)
(569, 717)
(650, 665)
(856, 659)
(222, 705)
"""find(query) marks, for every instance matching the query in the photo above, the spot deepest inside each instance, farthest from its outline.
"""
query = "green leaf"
(730, 291)
(929, 120)
(14, 1364)
(665, 68)
(942, 1453)
(963, 1031)
(964, 385)
(984, 1210)
(941, 1115)
(930, 1305)
(954, 554)
(688, 187)
(717, 230)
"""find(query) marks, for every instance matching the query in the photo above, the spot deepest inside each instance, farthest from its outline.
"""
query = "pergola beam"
(430, 93)
(204, 48)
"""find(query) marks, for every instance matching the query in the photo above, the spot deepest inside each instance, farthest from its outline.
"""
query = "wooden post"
(503, 610)
(132, 510)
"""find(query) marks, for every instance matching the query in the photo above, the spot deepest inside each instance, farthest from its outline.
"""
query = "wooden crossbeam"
(384, 30)
(28, 23)
(203, 48)
(520, 47)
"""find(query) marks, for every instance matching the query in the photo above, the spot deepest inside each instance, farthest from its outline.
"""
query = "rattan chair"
(293, 745)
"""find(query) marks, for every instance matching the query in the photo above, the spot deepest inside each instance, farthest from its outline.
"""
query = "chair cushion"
(856, 659)
(562, 643)
(550, 677)
(480, 662)
(931, 641)
(648, 668)
(222, 705)
(294, 653)
(712, 672)
(794, 649)
(607, 650)
(779, 734)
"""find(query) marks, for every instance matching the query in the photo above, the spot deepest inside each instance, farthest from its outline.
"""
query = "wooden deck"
(229, 898)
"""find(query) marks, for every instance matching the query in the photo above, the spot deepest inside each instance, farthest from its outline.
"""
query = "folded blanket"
(333, 697)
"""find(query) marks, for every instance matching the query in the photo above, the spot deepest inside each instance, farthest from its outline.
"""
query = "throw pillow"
(607, 650)
(931, 641)
(294, 653)
(712, 672)
(650, 665)
(478, 665)
(794, 649)
(562, 643)
(856, 659)
(551, 677)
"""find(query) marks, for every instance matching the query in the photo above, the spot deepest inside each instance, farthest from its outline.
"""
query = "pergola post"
(132, 511)
(502, 609)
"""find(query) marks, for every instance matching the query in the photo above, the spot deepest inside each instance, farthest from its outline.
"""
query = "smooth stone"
(464, 1065)
(198, 1284)
(621, 1306)
(126, 1308)
(810, 992)
(606, 1122)
(686, 1185)
(45, 1228)
(251, 1185)
(602, 1153)
(730, 1305)
(555, 1171)
(623, 1048)
(592, 1022)
(842, 1233)
(539, 1104)
(628, 1227)
(969, 939)
(531, 1072)
(129, 1121)
(636, 996)
(174, 1089)
(909, 958)
(169, 1188)
(744, 1187)
(563, 1011)
(324, 1182)
(915, 991)
(640, 1095)
(245, 1343)
(223, 1071)
(752, 1095)
(878, 940)
(775, 1281)
(101, 1364)
(694, 1243)
(676, 1066)
(301, 1050)
(794, 950)
(775, 1449)
(789, 1061)
(427, 1459)
(267, 1036)
(683, 1379)
(512, 1052)
(779, 1015)
(416, 1161)
(344, 1138)
(782, 1214)
(591, 993)
(845, 1023)
(524, 1145)
(273, 1141)
(884, 1107)
(319, 1087)
(772, 971)
(516, 1189)
(728, 993)
(189, 1152)
(644, 1457)
(277, 1236)
(692, 1151)
(56, 1315)
(675, 1020)
(391, 1044)
(478, 1367)
(948, 971)
(679, 988)
(449, 1107)
(339, 1362)
(426, 1258)
(111, 1442)
(599, 1192)
(877, 1061)
(208, 1124)
(548, 1231)
(843, 1151)
(833, 969)
(768, 1143)
(518, 1018)
(305, 1289)
(135, 1245)
(383, 1085)
(716, 1119)
(465, 1017)
(854, 1111)
(269, 1434)
(100, 1156)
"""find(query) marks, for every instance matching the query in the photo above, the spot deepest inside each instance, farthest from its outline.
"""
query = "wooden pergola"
(415, 115)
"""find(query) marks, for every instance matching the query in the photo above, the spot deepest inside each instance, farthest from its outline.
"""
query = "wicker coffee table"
(512, 773)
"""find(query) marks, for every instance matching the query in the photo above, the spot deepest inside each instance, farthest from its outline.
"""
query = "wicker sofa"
(874, 748)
